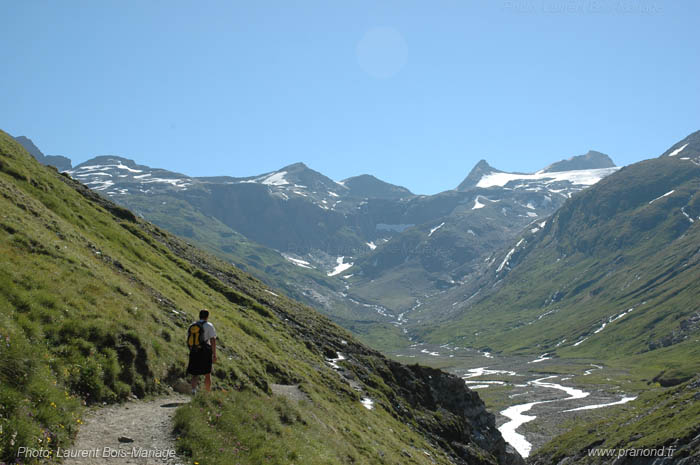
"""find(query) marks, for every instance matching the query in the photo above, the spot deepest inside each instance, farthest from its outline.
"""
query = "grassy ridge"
(94, 304)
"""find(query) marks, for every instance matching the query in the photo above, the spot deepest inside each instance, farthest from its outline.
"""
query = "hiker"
(201, 339)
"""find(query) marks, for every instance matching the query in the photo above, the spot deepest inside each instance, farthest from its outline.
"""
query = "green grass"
(94, 304)
(243, 428)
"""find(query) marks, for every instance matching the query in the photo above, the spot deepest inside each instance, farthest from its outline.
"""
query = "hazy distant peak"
(481, 169)
(29, 146)
(60, 162)
(589, 161)
(298, 166)
(366, 185)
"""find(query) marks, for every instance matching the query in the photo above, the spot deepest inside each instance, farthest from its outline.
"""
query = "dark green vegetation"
(94, 303)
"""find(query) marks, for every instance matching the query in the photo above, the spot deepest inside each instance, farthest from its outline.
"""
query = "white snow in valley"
(613, 318)
(579, 177)
(372, 245)
(541, 358)
(677, 151)
(367, 403)
(516, 414)
(434, 354)
(298, 262)
(477, 204)
(436, 228)
(624, 400)
(591, 370)
(340, 267)
(505, 260)
(662, 196)
(484, 371)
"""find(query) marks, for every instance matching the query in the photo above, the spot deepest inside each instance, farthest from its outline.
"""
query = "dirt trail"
(106, 433)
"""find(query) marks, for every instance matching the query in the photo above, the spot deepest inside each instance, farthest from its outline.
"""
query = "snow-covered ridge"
(101, 177)
(575, 177)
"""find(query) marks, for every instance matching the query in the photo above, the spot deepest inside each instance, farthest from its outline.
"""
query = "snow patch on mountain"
(298, 262)
(340, 267)
(436, 228)
(662, 196)
(275, 179)
(677, 151)
(577, 177)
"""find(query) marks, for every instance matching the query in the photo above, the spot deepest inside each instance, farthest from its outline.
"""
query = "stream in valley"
(532, 398)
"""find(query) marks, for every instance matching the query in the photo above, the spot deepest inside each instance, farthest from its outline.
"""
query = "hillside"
(611, 278)
(94, 303)
(629, 241)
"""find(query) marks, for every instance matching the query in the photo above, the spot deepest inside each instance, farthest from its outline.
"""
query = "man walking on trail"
(201, 339)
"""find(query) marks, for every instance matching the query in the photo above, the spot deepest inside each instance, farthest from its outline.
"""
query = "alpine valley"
(570, 294)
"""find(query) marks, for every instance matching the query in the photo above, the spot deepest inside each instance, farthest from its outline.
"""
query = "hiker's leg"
(195, 381)
(207, 382)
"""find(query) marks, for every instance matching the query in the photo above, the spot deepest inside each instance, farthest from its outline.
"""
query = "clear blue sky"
(414, 92)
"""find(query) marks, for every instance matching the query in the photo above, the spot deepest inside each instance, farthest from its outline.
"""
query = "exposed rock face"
(460, 420)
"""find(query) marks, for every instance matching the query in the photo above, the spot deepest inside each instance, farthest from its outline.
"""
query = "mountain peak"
(368, 186)
(298, 166)
(480, 169)
(588, 161)
(60, 162)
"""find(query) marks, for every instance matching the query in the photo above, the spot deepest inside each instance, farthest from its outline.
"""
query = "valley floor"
(534, 398)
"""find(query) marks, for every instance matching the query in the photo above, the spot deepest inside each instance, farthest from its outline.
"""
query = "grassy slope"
(608, 250)
(93, 306)
(309, 286)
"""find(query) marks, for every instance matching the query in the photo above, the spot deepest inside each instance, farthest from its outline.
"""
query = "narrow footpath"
(134, 433)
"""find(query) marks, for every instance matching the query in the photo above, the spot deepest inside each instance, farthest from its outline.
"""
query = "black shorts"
(200, 361)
